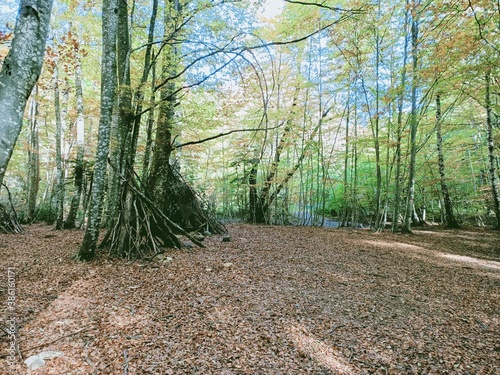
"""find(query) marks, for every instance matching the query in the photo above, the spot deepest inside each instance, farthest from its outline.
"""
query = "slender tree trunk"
(20, 72)
(354, 168)
(108, 86)
(399, 131)
(149, 130)
(413, 125)
(376, 131)
(450, 220)
(149, 65)
(252, 192)
(33, 158)
(59, 185)
(263, 202)
(345, 211)
(291, 172)
(80, 149)
(491, 152)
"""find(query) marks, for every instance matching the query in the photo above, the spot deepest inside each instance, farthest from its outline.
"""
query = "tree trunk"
(345, 210)
(252, 192)
(263, 202)
(149, 215)
(108, 86)
(80, 149)
(33, 158)
(376, 131)
(158, 184)
(491, 153)
(450, 220)
(20, 72)
(121, 128)
(413, 125)
(146, 161)
(59, 185)
(399, 131)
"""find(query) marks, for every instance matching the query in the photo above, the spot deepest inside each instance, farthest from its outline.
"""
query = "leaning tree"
(19, 74)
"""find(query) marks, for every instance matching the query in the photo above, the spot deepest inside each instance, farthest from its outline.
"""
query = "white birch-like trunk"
(20, 72)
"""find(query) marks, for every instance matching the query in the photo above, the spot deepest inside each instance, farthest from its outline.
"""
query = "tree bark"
(413, 124)
(158, 184)
(59, 185)
(399, 131)
(120, 150)
(491, 152)
(80, 148)
(20, 72)
(108, 86)
(33, 158)
(450, 220)
(263, 202)
(146, 161)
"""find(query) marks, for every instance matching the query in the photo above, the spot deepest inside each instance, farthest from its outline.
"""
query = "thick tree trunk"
(108, 87)
(20, 72)
(120, 151)
(158, 184)
(450, 220)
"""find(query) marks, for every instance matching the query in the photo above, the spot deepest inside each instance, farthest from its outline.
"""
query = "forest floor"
(274, 300)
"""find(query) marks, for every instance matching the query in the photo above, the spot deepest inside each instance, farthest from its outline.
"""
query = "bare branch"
(223, 135)
(322, 5)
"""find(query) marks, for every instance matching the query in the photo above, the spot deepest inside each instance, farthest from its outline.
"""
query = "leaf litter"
(273, 300)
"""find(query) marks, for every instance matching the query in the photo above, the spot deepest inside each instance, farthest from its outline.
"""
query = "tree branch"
(223, 135)
(322, 5)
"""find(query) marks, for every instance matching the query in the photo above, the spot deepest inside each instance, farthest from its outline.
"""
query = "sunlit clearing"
(395, 245)
(472, 261)
(434, 256)
(318, 351)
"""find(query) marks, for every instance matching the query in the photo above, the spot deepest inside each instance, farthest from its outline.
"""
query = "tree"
(450, 220)
(493, 173)
(108, 87)
(70, 221)
(410, 198)
(33, 157)
(20, 72)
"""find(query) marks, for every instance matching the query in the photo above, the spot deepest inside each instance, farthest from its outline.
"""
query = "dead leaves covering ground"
(275, 300)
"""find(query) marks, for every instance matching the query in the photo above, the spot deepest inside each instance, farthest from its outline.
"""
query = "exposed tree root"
(9, 222)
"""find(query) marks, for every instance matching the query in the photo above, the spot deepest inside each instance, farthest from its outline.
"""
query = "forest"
(361, 114)
(340, 158)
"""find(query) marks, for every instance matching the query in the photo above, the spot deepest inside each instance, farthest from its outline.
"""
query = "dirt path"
(274, 300)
